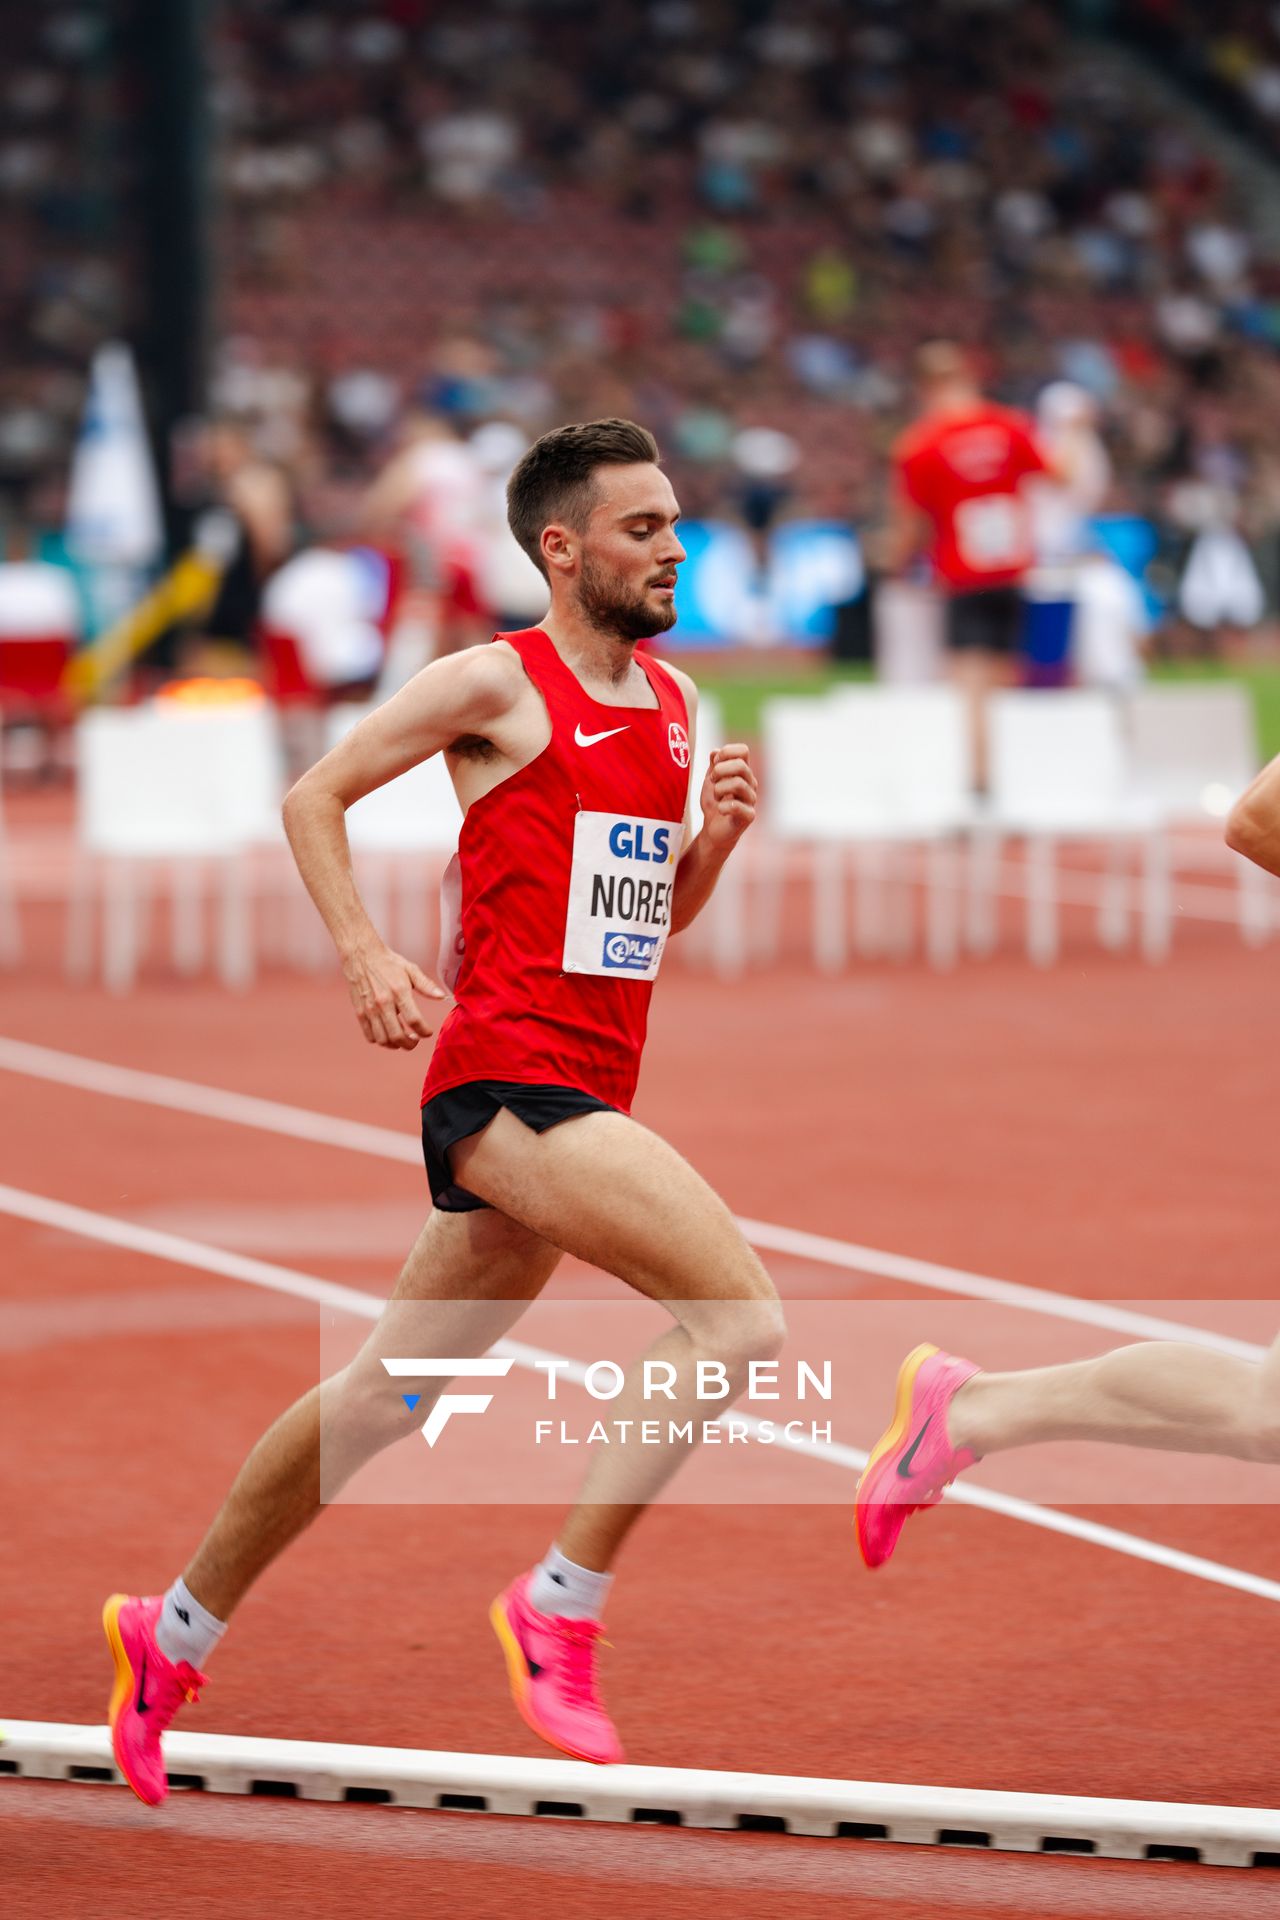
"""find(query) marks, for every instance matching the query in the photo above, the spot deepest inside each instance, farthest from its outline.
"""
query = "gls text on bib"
(620, 893)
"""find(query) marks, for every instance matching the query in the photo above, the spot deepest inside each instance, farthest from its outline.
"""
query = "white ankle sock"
(185, 1629)
(560, 1587)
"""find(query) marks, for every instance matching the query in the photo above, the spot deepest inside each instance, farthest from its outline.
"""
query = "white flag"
(113, 512)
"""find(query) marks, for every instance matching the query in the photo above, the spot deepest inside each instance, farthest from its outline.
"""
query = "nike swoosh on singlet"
(590, 739)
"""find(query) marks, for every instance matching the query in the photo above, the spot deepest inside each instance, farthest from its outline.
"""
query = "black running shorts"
(459, 1112)
(986, 621)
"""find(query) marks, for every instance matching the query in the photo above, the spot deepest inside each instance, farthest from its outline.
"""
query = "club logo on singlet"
(620, 890)
(678, 741)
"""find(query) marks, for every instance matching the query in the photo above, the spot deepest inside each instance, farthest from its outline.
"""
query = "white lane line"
(262, 1273)
(111, 1232)
(300, 1123)
(212, 1103)
(978, 1286)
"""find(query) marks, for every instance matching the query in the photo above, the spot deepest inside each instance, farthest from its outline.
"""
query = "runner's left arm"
(728, 802)
(1253, 825)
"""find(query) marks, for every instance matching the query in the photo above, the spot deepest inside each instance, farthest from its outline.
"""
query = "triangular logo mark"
(411, 1400)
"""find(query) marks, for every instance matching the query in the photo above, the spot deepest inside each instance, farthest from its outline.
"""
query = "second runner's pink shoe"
(551, 1664)
(914, 1460)
(149, 1690)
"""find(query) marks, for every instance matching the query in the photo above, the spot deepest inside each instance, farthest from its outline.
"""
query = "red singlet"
(965, 472)
(561, 892)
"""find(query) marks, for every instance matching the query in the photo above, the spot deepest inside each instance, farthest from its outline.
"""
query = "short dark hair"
(553, 480)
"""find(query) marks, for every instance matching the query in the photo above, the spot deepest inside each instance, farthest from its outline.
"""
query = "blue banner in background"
(1133, 543)
(813, 566)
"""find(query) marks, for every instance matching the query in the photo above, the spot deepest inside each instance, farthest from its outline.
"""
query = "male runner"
(1159, 1393)
(569, 752)
(960, 496)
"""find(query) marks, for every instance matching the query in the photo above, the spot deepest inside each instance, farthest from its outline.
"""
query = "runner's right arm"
(1253, 825)
(467, 694)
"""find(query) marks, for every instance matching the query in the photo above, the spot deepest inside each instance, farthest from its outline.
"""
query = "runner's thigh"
(483, 1254)
(604, 1188)
(466, 1282)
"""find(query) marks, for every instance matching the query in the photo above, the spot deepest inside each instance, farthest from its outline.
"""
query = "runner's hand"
(382, 985)
(729, 796)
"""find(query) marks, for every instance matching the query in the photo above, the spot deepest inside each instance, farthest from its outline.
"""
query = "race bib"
(620, 892)
(991, 532)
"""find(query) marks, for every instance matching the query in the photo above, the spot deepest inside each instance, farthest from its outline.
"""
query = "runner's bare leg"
(1158, 1393)
(488, 1264)
(612, 1193)
(977, 674)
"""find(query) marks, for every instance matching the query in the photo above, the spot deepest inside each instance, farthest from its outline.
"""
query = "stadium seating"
(923, 176)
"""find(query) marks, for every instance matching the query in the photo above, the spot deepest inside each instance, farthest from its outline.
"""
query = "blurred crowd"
(65, 269)
(732, 219)
(1230, 57)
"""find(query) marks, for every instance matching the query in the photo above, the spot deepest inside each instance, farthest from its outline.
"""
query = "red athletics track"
(1105, 1130)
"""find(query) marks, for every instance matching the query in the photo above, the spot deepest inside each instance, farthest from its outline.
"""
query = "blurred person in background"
(1110, 624)
(246, 517)
(429, 501)
(1220, 594)
(512, 591)
(332, 605)
(960, 497)
(1064, 502)
(764, 461)
(1069, 571)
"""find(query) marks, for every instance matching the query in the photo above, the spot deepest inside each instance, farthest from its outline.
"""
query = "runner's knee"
(766, 1330)
(365, 1408)
(744, 1331)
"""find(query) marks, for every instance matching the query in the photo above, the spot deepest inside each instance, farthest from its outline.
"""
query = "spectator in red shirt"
(959, 476)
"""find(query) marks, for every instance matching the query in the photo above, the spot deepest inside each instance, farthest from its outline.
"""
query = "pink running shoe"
(149, 1690)
(911, 1463)
(551, 1664)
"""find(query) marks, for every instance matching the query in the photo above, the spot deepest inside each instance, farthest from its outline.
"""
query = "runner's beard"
(631, 618)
